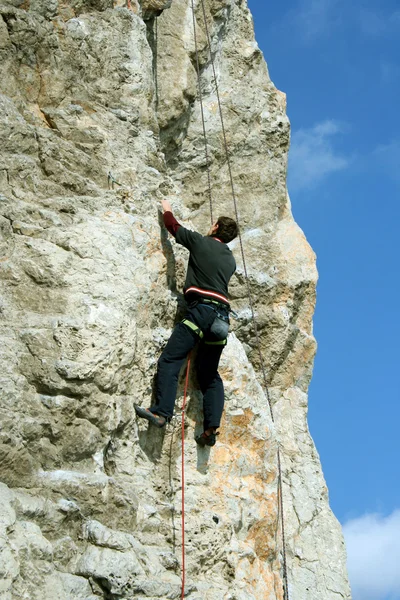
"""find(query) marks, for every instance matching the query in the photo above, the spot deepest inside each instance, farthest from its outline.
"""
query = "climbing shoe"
(145, 413)
(206, 440)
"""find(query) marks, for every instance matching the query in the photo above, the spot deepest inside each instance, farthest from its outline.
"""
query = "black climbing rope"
(202, 114)
(155, 59)
(228, 161)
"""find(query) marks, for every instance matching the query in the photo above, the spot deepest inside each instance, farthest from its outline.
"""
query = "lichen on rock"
(100, 119)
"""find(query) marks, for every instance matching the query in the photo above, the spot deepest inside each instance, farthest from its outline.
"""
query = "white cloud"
(312, 156)
(373, 556)
(314, 17)
(310, 19)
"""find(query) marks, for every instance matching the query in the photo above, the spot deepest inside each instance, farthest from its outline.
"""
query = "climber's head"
(225, 229)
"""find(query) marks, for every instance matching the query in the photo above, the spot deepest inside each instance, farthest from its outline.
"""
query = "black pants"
(181, 342)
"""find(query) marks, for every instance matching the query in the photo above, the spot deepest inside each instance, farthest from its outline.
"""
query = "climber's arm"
(169, 220)
(183, 236)
(171, 223)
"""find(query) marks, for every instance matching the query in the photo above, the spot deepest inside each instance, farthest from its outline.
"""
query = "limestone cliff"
(90, 289)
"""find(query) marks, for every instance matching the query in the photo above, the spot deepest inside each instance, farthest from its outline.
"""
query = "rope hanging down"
(202, 114)
(183, 475)
(228, 161)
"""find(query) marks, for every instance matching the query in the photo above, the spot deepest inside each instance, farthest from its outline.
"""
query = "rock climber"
(211, 265)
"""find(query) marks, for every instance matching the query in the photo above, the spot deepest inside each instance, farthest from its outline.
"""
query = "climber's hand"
(166, 206)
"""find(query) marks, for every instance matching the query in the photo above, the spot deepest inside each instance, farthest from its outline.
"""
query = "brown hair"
(227, 229)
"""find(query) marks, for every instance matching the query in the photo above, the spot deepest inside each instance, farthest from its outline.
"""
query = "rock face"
(99, 119)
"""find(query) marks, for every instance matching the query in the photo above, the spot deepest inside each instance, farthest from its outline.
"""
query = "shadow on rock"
(151, 442)
(203, 459)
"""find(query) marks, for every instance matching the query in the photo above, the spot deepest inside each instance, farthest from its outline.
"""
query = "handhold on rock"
(154, 8)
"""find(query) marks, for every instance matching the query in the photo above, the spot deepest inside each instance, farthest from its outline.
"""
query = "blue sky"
(339, 64)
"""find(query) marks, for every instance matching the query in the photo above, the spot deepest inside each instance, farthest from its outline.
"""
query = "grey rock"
(154, 8)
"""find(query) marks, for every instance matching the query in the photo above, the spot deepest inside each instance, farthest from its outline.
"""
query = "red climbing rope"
(183, 474)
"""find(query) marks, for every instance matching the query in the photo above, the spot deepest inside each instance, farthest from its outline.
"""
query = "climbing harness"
(228, 162)
(219, 327)
(193, 327)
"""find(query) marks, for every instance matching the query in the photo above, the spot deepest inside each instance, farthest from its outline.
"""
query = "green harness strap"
(194, 327)
(199, 332)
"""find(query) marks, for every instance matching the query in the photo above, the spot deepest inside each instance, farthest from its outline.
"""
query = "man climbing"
(211, 265)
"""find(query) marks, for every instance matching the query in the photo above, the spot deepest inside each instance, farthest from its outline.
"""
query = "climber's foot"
(208, 438)
(145, 413)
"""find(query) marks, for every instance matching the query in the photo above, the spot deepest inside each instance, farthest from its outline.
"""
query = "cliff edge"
(99, 119)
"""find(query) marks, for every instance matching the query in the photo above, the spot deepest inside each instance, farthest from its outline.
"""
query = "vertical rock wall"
(99, 119)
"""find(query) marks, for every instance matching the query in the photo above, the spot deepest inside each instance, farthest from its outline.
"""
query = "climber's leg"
(181, 342)
(210, 384)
